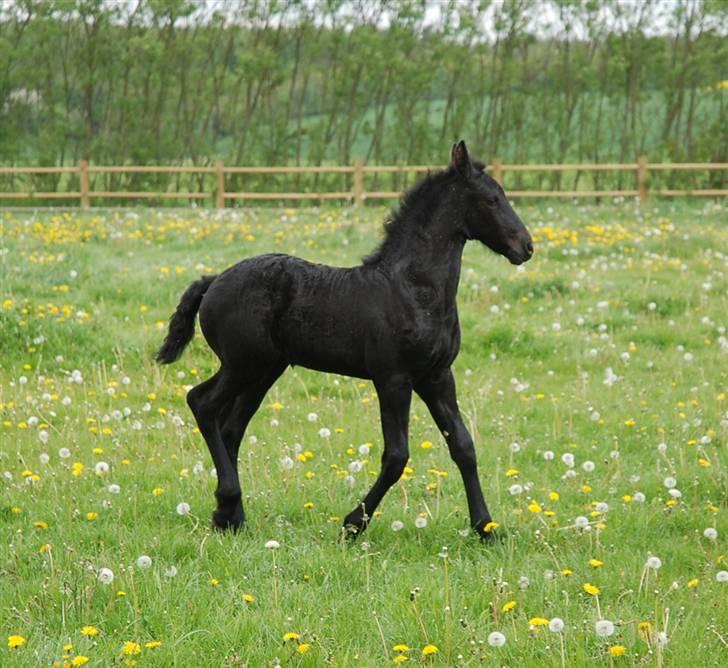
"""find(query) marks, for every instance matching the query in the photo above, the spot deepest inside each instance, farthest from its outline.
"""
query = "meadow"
(593, 379)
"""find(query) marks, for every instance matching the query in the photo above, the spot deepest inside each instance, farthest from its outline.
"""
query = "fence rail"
(221, 193)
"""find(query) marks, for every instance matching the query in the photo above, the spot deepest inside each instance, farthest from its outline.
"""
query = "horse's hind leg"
(210, 401)
(230, 512)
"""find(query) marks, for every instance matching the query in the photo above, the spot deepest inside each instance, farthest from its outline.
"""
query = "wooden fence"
(221, 194)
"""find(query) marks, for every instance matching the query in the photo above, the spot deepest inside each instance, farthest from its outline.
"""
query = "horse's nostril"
(529, 247)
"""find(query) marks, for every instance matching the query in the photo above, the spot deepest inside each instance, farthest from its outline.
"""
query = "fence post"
(642, 178)
(498, 171)
(220, 194)
(83, 181)
(358, 182)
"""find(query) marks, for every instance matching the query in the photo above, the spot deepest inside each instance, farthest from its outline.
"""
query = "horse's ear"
(460, 159)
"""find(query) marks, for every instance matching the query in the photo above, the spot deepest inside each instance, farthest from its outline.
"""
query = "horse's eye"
(492, 200)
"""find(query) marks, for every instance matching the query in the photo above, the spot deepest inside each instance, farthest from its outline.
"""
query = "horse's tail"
(182, 322)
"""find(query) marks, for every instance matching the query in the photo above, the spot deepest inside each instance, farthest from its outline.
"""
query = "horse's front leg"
(438, 393)
(395, 395)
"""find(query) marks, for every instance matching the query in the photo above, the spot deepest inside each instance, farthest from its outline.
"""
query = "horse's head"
(486, 214)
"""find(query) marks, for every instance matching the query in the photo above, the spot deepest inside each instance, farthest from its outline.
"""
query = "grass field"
(594, 380)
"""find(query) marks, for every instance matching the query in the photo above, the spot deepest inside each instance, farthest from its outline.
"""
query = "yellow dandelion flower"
(595, 563)
(303, 647)
(158, 491)
(693, 583)
(249, 598)
(566, 572)
(425, 445)
(507, 607)
(429, 650)
(68, 647)
(554, 496)
(16, 641)
(121, 593)
(91, 516)
(538, 621)
(89, 631)
(401, 648)
(291, 635)
(40, 524)
(512, 472)
(591, 589)
(535, 507)
(214, 582)
(130, 648)
(276, 405)
(617, 650)
(400, 658)
(153, 644)
(80, 660)
(491, 526)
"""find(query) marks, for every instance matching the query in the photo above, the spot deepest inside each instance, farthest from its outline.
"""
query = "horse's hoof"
(223, 521)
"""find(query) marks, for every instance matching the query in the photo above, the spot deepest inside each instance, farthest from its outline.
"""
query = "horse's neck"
(436, 263)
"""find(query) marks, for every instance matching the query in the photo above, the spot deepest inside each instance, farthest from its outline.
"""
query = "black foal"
(393, 320)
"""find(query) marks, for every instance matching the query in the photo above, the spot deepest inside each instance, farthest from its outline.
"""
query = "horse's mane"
(414, 211)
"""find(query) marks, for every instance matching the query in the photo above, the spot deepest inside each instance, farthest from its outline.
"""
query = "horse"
(393, 320)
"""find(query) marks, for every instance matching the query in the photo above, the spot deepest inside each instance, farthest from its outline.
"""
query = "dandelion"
(79, 660)
(158, 491)
(710, 533)
(105, 576)
(303, 647)
(662, 638)
(312, 417)
(538, 621)
(272, 544)
(101, 468)
(669, 482)
(15, 641)
(64, 453)
(617, 650)
(401, 648)
(568, 459)
(429, 650)
(556, 625)
(595, 563)
(171, 572)
(183, 508)
(604, 628)
(153, 644)
(248, 598)
(591, 589)
(490, 526)
(653, 563)
(91, 516)
(421, 521)
(89, 631)
(496, 639)
(397, 525)
(130, 648)
(721, 576)
(291, 635)
(144, 561)
(507, 607)
(113, 488)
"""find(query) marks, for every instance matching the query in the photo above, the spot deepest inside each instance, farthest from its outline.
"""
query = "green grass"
(643, 292)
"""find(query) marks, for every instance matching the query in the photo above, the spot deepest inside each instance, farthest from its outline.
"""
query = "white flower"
(272, 544)
(312, 417)
(588, 466)
(198, 468)
(523, 583)
(144, 561)
(638, 497)
(581, 522)
(662, 448)
(101, 468)
(113, 488)
(654, 563)
(610, 377)
(44, 457)
(556, 625)
(170, 572)
(662, 638)
(604, 628)
(602, 507)
(397, 525)
(43, 436)
(355, 466)
(515, 489)
(568, 459)
(421, 521)
(286, 463)
(183, 508)
(669, 482)
(674, 493)
(515, 446)
(364, 449)
(349, 480)
(64, 453)
(721, 576)
(496, 639)
(324, 432)
(105, 576)
(548, 455)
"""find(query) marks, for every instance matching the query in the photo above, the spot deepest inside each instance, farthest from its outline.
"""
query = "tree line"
(385, 81)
